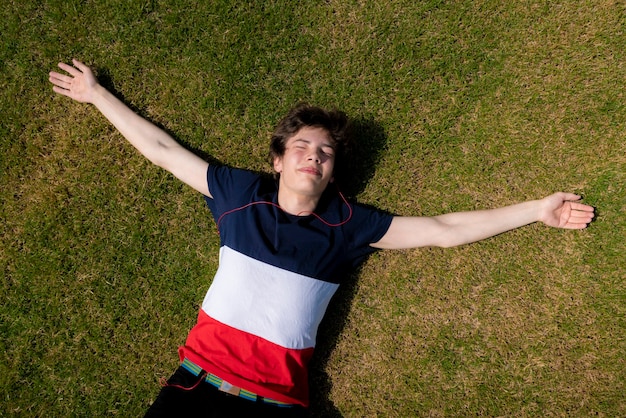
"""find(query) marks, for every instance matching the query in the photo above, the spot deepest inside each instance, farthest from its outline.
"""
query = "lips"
(311, 170)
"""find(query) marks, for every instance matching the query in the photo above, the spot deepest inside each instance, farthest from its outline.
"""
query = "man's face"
(307, 165)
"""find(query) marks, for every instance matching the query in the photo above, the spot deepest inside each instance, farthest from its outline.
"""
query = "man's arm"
(153, 142)
(558, 210)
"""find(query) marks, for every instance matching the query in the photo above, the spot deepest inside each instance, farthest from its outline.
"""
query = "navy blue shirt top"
(307, 244)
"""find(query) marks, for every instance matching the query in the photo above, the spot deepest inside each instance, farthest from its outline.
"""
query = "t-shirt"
(277, 272)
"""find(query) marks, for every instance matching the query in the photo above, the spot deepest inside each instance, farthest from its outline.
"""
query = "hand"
(79, 85)
(561, 211)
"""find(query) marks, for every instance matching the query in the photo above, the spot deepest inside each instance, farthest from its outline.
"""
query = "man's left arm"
(560, 210)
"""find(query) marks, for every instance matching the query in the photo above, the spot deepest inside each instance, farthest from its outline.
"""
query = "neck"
(297, 204)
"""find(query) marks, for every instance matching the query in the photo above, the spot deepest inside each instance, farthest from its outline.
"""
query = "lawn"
(460, 105)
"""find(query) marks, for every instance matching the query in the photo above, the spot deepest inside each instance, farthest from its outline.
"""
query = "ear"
(278, 164)
(332, 179)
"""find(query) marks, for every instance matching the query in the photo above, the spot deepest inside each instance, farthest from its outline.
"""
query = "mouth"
(311, 170)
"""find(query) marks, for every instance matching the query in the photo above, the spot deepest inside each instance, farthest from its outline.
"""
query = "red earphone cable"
(219, 220)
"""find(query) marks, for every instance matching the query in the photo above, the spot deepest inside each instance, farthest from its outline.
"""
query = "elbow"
(159, 154)
(156, 160)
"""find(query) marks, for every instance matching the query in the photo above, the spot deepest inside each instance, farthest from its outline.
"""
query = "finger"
(582, 213)
(571, 196)
(577, 223)
(580, 220)
(62, 85)
(81, 66)
(58, 83)
(575, 226)
(61, 91)
(581, 207)
(60, 77)
(73, 71)
(60, 80)
(583, 221)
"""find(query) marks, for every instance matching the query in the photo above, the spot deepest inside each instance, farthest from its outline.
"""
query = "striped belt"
(224, 386)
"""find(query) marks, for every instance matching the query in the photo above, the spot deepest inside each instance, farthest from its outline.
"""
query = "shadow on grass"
(369, 144)
(328, 336)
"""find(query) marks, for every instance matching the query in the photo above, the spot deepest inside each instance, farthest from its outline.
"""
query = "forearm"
(154, 143)
(467, 227)
(149, 139)
(458, 228)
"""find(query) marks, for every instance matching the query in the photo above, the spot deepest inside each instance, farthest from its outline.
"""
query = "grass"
(465, 105)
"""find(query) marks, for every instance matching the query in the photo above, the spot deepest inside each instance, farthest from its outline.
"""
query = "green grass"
(105, 259)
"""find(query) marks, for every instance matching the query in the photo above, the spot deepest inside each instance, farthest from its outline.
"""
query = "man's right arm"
(559, 210)
(153, 142)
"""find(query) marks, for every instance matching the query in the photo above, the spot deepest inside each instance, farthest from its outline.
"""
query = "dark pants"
(205, 400)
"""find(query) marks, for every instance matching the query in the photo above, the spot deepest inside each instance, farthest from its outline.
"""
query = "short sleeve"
(229, 187)
(367, 226)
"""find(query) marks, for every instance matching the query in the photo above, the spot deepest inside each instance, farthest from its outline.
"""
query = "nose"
(315, 156)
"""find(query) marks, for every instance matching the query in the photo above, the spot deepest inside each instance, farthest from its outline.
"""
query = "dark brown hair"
(335, 122)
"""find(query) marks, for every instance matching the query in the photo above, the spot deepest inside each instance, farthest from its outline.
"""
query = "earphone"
(263, 202)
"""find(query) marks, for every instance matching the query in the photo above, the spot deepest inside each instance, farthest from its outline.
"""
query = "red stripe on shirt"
(248, 361)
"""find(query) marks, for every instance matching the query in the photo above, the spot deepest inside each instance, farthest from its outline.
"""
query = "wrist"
(540, 210)
(98, 95)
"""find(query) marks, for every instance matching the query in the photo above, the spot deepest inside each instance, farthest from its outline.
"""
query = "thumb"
(569, 196)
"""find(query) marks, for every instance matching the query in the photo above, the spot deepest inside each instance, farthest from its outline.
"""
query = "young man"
(285, 246)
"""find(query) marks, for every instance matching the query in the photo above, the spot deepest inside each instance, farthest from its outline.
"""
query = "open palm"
(561, 211)
(78, 85)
